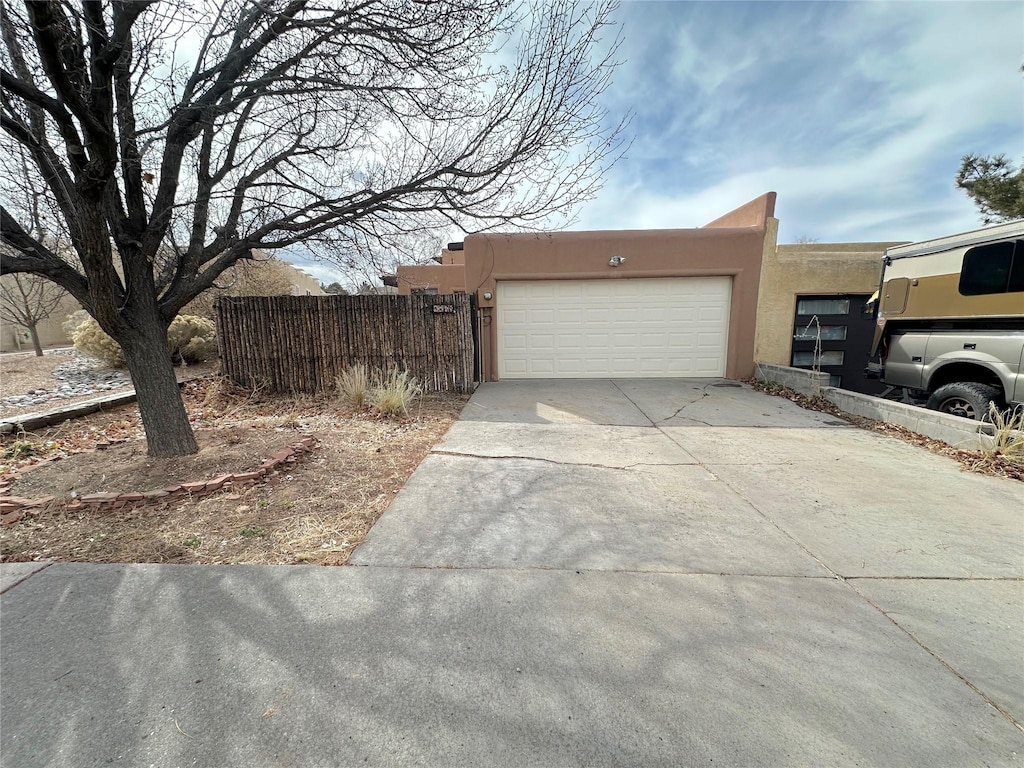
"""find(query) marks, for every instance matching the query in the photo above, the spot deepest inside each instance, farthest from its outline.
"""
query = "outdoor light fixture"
(614, 261)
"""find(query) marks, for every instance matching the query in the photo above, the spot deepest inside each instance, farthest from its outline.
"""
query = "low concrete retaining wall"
(954, 430)
(810, 383)
(30, 421)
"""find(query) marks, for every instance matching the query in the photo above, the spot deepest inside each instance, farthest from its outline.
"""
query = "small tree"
(337, 125)
(994, 186)
(334, 289)
(27, 300)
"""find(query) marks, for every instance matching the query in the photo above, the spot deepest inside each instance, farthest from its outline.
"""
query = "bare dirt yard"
(313, 511)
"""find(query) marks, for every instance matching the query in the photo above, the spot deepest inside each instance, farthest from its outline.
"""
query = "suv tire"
(965, 398)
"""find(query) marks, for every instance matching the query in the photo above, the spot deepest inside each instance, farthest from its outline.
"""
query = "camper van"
(950, 320)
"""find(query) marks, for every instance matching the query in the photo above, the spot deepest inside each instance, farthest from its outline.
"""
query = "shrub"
(90, 339)
(353, 385)
(189, 340)
(72, 321)
(392, 394)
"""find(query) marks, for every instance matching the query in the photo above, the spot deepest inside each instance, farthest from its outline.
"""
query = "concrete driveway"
(582, 573)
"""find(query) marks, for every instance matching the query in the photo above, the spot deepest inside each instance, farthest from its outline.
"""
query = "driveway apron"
(710, 478)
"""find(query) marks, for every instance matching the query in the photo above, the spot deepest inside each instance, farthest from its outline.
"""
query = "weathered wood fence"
(302, 343)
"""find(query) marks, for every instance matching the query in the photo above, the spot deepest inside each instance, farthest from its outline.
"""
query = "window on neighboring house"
(424, 291)
(993, 268)
(805, 358)
(823, 306)
(828, 333)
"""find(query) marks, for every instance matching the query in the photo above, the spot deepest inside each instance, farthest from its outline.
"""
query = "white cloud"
(856, 114)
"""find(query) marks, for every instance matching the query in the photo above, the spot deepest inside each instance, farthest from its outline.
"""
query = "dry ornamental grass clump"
(1008, 438)
(392, 394)
(353, 384)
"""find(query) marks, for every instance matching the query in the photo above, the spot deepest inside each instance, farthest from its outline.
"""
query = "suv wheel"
(964, 398)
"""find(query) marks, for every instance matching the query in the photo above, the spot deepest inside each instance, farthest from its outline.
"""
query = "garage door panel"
(512, 317)
(626, 327)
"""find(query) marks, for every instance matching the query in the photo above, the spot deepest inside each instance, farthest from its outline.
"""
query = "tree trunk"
(32, 332)
(168, 432)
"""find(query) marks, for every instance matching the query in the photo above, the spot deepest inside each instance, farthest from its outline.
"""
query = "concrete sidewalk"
(583, 573)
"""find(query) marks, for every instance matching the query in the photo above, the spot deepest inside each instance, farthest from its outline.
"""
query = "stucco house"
(707, 301)
(641, 303)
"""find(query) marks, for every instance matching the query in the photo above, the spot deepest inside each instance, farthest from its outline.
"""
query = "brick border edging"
(14, 508)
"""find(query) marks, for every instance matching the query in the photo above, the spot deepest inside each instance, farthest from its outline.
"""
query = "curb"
(14, 508)
(46, 418)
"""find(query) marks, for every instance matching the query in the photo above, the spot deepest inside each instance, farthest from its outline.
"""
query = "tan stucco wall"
(304, 284)
(791, 270)
(452, 257)
(446, 278)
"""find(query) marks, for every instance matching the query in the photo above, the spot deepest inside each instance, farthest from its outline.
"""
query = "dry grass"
(316, 513)
(353, 384)
(393, 393)
(1008, 440)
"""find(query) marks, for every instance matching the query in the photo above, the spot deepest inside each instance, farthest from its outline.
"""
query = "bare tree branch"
(343, 127)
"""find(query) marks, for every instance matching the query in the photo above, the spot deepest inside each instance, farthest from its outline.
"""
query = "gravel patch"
(64, 377)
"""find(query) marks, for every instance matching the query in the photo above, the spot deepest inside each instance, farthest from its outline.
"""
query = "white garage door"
(641, 327)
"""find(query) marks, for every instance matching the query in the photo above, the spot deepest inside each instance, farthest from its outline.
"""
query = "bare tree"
(27, 300)
(174, 140)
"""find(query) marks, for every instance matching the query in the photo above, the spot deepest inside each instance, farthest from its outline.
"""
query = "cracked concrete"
(723, 481)
(602, 573)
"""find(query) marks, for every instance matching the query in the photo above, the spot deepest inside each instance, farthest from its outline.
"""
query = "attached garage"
(618, 303)
(633, 327)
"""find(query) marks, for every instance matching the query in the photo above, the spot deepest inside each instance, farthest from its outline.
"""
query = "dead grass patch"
(315, 513)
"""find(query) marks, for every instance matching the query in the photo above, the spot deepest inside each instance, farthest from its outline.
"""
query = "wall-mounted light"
(487, 295)
(615, 261)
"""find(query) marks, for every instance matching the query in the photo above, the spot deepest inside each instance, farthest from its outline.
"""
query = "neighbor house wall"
(303, 283)
(446, 278)
(813, 268)
(15, 337)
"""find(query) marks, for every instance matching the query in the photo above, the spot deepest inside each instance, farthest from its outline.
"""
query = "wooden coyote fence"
(302, 343)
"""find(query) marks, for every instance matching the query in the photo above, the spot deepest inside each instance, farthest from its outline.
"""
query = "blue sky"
(856, 113)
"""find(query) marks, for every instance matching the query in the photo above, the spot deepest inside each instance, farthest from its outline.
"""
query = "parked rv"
(950, 320)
